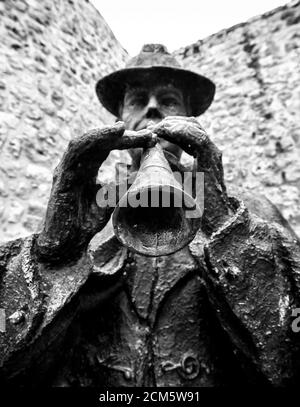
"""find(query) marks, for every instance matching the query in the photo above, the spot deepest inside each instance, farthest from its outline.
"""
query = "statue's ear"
(120, 112)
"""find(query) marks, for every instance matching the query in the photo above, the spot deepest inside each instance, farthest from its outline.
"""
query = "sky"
(175, 23)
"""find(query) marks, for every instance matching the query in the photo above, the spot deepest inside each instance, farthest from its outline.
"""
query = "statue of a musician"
(83, 310)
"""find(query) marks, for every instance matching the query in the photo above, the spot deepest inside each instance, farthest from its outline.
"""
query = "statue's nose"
(153, 111)
(152, 103)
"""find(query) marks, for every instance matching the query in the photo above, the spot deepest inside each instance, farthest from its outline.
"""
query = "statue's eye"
(137, 101)
(169, 102)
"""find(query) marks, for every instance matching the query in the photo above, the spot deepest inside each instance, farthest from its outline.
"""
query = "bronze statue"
(84, 310)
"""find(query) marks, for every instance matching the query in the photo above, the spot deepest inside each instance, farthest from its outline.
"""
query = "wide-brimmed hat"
(155, 61)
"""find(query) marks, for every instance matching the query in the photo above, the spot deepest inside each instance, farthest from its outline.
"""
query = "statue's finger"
(141, 139)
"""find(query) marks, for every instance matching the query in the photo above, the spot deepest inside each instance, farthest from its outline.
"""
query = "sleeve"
(252, 276)
(37, 305)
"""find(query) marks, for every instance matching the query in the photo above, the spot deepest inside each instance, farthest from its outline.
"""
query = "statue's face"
(152, 103)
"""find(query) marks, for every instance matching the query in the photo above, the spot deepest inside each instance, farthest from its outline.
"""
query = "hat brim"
(111, 89)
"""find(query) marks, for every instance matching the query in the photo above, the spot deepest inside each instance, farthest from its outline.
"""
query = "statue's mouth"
(145, 122)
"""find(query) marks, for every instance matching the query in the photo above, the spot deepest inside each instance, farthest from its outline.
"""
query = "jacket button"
(127, 375)
(190, 366)
(17, 317)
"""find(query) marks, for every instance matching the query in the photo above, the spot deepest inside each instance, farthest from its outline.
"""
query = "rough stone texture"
(255, 117)
(51, 55)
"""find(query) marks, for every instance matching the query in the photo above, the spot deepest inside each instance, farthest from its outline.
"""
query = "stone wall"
(255, 117)
(51, 54)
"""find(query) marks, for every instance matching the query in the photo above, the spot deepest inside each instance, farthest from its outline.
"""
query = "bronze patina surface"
(84, 310)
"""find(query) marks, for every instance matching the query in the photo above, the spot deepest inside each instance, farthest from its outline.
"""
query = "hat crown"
(153, 55)
(155, 48)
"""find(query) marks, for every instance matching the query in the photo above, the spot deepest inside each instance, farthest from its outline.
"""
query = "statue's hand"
(187, 133)
(73, 216)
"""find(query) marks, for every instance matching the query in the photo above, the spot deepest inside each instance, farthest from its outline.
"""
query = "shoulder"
(261, 206)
